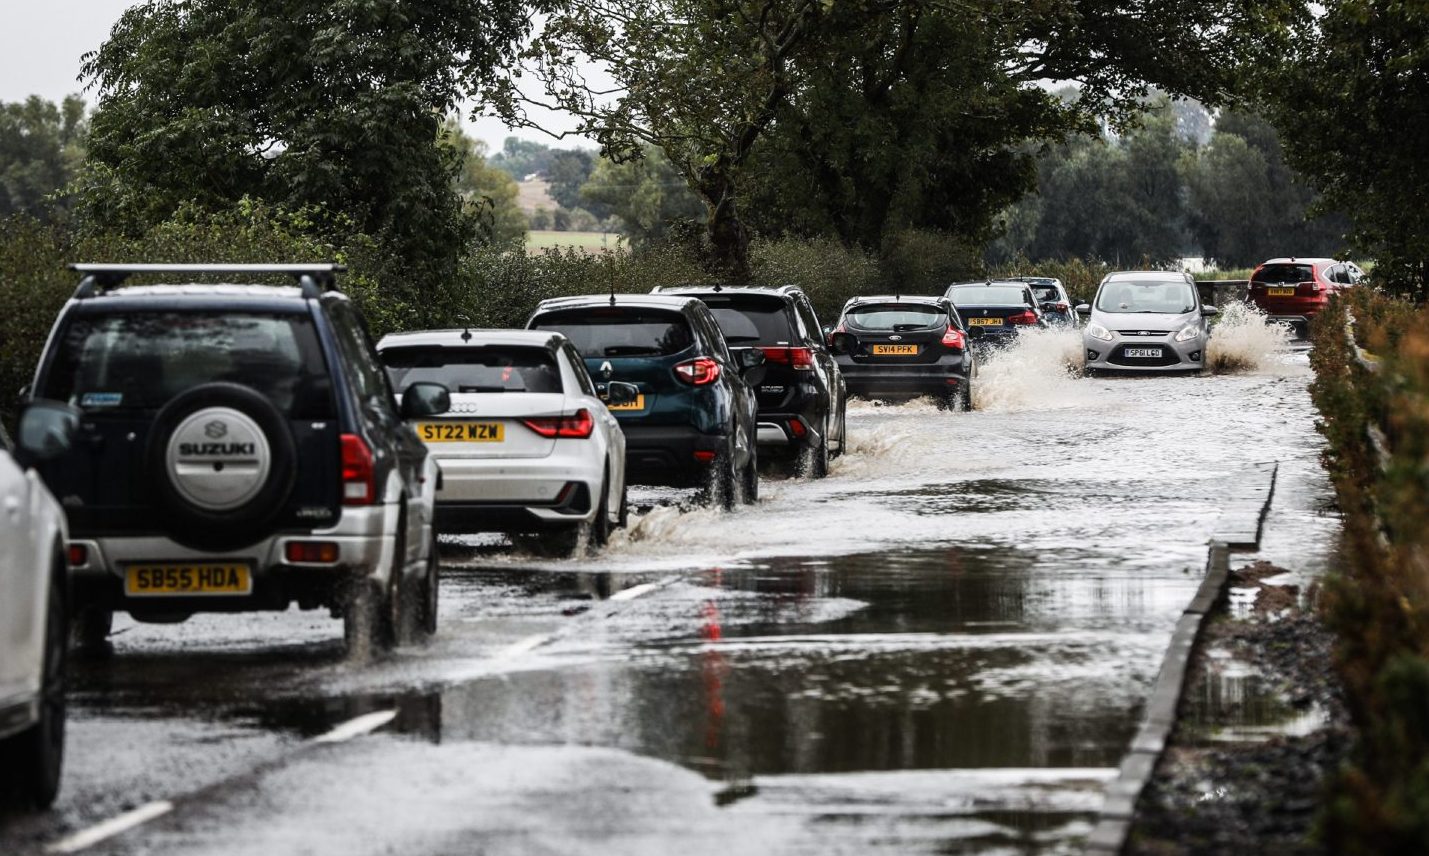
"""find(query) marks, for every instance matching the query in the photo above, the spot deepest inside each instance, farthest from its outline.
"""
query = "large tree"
(41, 144)
(333, 106)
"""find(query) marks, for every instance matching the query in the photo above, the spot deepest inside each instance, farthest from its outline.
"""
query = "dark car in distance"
(693, 420)
(892, 346)
(802, 395)
(995, 310)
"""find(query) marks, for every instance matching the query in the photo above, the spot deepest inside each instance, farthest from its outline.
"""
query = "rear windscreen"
(620, 331)
(895, 317)
(140, 360)
(489, 368)
(752, 321)
(1285, 274)
(1046, 293)
(989, 295)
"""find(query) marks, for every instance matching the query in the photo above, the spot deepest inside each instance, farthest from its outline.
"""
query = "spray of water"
(1036, 371)
(1245, 340)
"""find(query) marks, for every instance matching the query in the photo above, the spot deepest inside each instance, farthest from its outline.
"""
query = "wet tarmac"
(944, 647)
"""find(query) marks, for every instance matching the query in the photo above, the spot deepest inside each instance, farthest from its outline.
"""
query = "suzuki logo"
(606, 369)
(215, 430)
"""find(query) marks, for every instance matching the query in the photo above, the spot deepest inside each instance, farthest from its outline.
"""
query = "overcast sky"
(42, 41)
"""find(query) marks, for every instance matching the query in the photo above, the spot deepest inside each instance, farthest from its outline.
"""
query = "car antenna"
(612, 285)
(466, 325)
(718, 287)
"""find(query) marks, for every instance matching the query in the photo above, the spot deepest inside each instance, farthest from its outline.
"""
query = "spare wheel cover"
(218, 459)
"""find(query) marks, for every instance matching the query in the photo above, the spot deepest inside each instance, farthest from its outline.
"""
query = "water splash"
(1244, 339)
(1036, 371)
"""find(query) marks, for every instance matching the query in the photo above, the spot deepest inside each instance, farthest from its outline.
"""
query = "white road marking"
(87, 838)
(365, 724)
(644, 588)
(524, 646)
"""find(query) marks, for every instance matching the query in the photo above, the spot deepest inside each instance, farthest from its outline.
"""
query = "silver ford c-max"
(1146, 321)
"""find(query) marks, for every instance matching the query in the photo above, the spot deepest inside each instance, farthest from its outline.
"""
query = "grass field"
(591, 242)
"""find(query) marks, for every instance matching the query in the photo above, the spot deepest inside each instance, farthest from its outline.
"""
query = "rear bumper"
(365, 539)
(946, 375)
(665, 455)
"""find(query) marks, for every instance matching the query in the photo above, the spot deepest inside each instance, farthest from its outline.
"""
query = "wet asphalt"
(944, 647)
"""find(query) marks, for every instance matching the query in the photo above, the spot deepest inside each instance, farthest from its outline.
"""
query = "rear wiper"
(629, 350)
(465, 388)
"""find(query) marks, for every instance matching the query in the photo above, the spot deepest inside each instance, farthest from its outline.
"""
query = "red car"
(1294, 290)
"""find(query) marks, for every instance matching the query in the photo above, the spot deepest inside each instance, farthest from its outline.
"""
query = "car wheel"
(965, 396)
(428, 589)
(843, 430)
(600, 524)
(751, 480)
(721, 481)
(624, 506)
(34, 757)
(89, 632)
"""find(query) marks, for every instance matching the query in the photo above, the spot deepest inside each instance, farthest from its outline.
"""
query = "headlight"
(1097, 331)
(1189, 333)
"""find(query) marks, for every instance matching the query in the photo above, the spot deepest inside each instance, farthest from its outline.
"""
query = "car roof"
(646, 301)
(205, 297)
(200, 289)
(459, 338)
(1297, 260)
(719, 288)
(896, 298)
(1149, 275)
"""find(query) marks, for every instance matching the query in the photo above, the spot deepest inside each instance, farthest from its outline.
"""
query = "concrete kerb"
(1114, 822)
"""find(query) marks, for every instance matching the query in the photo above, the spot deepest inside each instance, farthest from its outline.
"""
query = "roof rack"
(313, 279)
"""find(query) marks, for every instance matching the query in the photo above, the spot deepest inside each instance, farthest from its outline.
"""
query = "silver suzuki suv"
(1146, 321)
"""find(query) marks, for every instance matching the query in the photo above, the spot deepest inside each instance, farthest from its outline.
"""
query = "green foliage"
(1350, 101)
(41, 145)
(646, 193)
(519, 158)
(333, 107)
(488, 194)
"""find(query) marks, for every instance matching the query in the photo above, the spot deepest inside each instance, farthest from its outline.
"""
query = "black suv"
(802, 396)
(239, 449)
(899, 346)
(693, 421)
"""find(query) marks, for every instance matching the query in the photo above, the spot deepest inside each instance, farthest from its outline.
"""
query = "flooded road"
(943, 647)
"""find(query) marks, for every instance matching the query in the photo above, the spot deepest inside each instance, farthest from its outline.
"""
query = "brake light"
(954, 339)
(1062, 307)
(801, 359)
(311, 552)
(1027, 317)
(359, 479)
(578, 426)
(78, 555)
(698, 372)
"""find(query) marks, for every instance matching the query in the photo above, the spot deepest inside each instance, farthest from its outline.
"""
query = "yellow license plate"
(1280, 292)
(203, 578)
(462, 432)
(984, 322)
(882, 350)
(637, 404)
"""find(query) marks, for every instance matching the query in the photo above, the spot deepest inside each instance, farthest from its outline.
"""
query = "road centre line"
(103, 830)
(637, 591)
(357, 726)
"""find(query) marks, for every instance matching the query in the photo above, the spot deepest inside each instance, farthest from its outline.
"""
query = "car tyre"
(600, 524)
(751, 480)
(365, 626)
(722, 481)
(89, 632)
(624, 519)
(34, 757)
(843, 430)
(428, 590)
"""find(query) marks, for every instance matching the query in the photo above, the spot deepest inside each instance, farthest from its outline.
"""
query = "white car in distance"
(528, 447)
(34, 614)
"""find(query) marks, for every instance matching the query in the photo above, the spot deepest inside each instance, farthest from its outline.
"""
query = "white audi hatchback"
(34, 615)
(528, 447)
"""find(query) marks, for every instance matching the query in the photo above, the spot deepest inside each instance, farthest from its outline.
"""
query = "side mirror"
(47, 430)
(425, 399)
(842, 344)
(619, 393)
(1209, 311)
(1084, 309)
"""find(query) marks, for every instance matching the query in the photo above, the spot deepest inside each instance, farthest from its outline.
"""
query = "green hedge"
(1378, 604)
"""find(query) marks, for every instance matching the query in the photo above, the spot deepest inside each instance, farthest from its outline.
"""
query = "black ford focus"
(902, 347)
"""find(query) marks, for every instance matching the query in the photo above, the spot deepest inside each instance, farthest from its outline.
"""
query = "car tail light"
(1062, 307)
(359, 479)
(578, 426)
(698, 372)
(796, 427)
(78, 555)
(954, 339)
(1315, 285)
(801, 359)
(704, 456)
(1028, 317)
(311, 552)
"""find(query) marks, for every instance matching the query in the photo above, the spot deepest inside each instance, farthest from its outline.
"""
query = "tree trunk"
(728, 256)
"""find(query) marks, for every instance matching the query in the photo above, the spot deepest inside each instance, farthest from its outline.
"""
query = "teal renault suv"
(693, 422)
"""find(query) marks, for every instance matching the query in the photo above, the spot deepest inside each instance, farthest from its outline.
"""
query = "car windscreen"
(485, 368)
(989, 295)
(1284, 274)
(746, 320)
(896, 317)
(1148, 297)
(620, 331)
(140, 360)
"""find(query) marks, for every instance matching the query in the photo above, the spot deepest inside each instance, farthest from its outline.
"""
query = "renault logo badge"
(606, 369)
